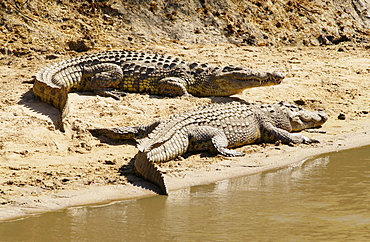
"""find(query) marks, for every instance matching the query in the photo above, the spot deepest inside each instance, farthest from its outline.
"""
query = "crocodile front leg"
(172, 86)
(209, 138)
(272, 134)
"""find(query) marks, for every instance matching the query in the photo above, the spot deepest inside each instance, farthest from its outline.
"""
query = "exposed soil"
(322, 48)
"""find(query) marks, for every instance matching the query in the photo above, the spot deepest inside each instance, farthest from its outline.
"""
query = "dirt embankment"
(322, 48)
(43, 26)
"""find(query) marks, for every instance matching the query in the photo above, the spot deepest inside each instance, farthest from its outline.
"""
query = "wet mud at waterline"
(323, 198)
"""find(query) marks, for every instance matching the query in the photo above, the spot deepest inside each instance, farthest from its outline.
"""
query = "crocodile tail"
(146, 169)
(54, 95)
(144, 144)
(64, 113)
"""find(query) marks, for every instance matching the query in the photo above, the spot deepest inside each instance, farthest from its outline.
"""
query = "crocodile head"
(301, 118)
(231, 80)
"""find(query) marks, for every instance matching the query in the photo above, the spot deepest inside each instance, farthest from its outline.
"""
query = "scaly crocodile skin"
(112, 73)
(215, 127)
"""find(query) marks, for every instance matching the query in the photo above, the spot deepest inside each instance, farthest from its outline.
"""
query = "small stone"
(340, 49)
(110, 162)
(52, 57)
(79, 45)
(300, 102)
(342, 116)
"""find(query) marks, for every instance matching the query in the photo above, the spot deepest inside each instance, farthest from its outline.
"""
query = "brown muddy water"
(323, 199)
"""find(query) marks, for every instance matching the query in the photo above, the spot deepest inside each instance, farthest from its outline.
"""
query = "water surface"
(326, 198)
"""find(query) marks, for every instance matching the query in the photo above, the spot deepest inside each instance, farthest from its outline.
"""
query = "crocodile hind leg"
(105, 79)
(209, 138)
(177, 145)
(273, 134)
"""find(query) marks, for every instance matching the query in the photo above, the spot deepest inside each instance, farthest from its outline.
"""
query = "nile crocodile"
(111, 73)
(215, 127)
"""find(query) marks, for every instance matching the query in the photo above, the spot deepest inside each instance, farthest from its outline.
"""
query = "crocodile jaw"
(234, 82)
(307, 119)
(301, 118)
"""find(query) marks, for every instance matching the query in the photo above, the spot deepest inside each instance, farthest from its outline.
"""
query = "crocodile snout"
(278, 75)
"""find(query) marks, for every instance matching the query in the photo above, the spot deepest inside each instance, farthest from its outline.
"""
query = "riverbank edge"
(337, 138)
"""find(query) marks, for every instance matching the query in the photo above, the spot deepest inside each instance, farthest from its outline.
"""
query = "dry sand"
(42, 169)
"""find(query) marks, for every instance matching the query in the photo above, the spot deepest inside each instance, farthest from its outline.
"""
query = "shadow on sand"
(29, 100)
(128, 170)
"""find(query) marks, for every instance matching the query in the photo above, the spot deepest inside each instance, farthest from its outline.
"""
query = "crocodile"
(215, 127)
(112, 73)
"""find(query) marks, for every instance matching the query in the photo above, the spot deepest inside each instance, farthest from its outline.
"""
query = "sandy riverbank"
(42, 169)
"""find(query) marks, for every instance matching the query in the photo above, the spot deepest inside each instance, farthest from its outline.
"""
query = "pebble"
(342, 116)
